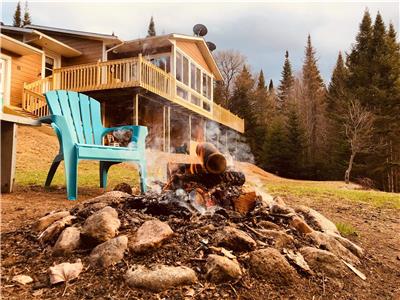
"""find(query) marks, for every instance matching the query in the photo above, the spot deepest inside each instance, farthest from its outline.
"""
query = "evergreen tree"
(152, 29)
(261, 81)
(313, 110)
(286, 84)
(270, 86)
(295, 143)
(27, 17)
(275, 148)
(17, 16)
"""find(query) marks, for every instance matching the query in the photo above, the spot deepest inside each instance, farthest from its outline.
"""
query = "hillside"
(368, 218)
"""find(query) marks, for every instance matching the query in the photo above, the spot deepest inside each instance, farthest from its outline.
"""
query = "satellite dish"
(200, 30)
(211, 46)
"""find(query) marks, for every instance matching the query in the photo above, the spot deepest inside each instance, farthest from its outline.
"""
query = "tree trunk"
(350, 166)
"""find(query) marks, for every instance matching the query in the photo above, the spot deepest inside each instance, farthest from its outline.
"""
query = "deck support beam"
(136, 109)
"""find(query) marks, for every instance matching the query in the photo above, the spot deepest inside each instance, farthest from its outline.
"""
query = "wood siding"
(92, 50)
(24, 69)
(191, 49)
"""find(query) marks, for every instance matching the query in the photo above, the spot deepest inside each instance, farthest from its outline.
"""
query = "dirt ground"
(377, 231)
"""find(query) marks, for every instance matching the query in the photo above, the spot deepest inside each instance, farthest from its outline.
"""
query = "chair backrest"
(81, 112)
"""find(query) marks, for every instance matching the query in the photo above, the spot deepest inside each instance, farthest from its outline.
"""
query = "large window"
(49, 66)
(162, 62)
(195, 78)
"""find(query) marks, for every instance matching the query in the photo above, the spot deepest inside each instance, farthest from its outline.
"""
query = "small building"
(163, 82)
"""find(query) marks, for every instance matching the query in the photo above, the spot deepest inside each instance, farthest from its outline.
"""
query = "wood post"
(8, 152)
(136, 109)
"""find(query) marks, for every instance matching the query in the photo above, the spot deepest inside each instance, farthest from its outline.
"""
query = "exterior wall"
(191, 49)
(24, 69)
(92, 50)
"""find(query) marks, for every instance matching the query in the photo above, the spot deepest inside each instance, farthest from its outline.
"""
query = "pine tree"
(286, 84)
(27, 17)
(261, 81)
(313, 109)
(295, 142)
(270, 86)
(152, 29)
(275, 148)
(17, 16)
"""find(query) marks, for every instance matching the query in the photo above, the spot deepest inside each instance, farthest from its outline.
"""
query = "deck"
(123, 73)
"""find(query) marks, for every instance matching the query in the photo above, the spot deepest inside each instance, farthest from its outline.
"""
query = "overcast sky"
(262, 31)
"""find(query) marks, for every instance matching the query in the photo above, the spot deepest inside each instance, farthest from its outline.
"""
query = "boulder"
(49, 219)
(280, 238)
(317, 220)
(323, 261)
(101, 226)
(300, 225)
(110, 252)
(353, 248)
(52, 232)
(150, 235)
(123, 187)
(234, 239)
(270, 265)
(268, 225)
(328, 242)
(160, 277)
(222, 269)
(68, 241)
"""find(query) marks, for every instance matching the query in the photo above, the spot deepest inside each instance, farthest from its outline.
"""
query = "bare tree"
(230, 63)
(358, 125)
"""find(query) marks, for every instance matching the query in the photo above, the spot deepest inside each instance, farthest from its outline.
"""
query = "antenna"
(211, 46)
(200, 30)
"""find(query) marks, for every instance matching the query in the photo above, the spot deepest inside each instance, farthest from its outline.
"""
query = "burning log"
(213, 161)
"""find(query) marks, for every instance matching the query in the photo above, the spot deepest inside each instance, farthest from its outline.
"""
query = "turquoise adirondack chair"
(76, 119)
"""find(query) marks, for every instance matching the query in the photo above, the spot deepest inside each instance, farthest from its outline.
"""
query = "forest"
(347, 129)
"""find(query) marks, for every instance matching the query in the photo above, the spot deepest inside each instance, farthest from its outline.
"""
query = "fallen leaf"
(65, 272)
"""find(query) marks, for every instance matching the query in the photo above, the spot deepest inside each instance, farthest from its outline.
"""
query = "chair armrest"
(45, 119)
(64, 132)
(139, 133)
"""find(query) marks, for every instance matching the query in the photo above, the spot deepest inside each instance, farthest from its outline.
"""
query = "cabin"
(164, 82)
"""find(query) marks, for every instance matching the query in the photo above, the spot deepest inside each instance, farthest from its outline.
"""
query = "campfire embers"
(202, 186)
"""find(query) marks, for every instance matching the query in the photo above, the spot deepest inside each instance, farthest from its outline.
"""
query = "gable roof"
(35, 37)
(163, 40)
(107, 38)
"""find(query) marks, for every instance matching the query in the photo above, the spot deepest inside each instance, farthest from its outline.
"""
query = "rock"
(234, 239)
(300, 225)
(279, 237)
(160, 277)
(279, 200)
(270, 265)
(65, 272)
(298, 260)
(246, 201)
(54, 229)
(101, 226)
(46, 221)
(107, 199)
(110, 252)
(68, 241)
(353, 248)
(268, 225)
(317, 220)
(282, 210)
(328, 242)
(150, 235)
(323, 261)
(222, 269)
(123, 187)
(91, 209)
(22, 279)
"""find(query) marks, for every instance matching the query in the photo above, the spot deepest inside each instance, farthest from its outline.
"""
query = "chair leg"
(104, 167)
(53, 169)
(143, 176)
(71, 176)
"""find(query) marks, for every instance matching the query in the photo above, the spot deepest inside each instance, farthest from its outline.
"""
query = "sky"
(262, 31)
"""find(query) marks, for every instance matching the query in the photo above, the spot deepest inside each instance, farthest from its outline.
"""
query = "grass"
(346, 229)
(88, 175)
(333, 192)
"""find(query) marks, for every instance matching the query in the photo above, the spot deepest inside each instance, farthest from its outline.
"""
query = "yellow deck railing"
(122, 73)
